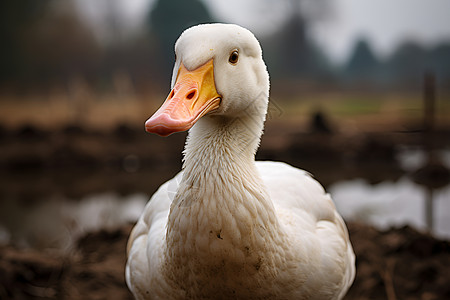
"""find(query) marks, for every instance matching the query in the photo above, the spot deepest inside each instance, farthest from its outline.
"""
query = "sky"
(385, 23)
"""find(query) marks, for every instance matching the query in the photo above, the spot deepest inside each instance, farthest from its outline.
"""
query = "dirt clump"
(399, 263)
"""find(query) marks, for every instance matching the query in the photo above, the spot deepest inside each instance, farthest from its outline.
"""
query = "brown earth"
(396, 264)
(399, 263)
(75, 161)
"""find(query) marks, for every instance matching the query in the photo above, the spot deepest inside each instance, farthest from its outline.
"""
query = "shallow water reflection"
(59, 222)
(390, 204)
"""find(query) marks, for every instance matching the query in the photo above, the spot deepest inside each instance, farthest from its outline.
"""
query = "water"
(398, 203)
(57, 221)
(390, 204)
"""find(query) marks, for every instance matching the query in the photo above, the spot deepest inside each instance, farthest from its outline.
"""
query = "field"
(397, 264)
(374, 111)
(78, 143)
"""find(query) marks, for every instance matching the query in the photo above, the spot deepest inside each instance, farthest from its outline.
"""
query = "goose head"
(218, 73)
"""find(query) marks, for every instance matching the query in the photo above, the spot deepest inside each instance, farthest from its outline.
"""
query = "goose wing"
(145, 245)
(308, 213)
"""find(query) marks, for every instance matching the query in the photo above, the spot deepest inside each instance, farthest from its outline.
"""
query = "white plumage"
(227, 227)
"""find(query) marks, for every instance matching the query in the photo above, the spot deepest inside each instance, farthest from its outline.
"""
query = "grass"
(374, 111)
(99, 111)
(366, 110)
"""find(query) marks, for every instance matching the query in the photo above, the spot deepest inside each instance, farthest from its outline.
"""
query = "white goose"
(227, 227)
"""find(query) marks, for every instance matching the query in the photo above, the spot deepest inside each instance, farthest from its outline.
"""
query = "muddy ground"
(75, 161)
(35, 164)
(399, 263)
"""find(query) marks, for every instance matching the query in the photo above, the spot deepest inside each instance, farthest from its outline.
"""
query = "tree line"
(45, 43)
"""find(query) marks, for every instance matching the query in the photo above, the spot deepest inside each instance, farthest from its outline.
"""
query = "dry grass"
(375, 112)
(99, 111)
(378, 112)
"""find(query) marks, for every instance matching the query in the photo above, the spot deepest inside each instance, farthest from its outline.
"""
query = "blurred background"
(360, 97)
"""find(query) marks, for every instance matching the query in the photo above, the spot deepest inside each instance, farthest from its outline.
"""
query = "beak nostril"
(191, 95)
(171, 94)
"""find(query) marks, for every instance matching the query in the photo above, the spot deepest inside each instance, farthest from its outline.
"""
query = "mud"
(400, 263)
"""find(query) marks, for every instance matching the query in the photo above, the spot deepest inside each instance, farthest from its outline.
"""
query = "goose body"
(227, 227)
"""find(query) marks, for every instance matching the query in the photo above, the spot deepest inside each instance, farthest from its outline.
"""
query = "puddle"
(390, 204)
(58, 222)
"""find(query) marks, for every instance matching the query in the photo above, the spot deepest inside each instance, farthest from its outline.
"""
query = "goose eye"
(234, 56)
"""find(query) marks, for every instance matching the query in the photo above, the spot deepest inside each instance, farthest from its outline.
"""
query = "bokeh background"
(360, 97)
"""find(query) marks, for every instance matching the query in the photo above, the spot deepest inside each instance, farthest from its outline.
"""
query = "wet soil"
(75, 161)
(400, 263)
(34, 164)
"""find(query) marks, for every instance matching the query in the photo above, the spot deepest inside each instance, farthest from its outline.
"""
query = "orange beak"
(193, 96)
